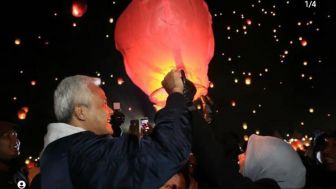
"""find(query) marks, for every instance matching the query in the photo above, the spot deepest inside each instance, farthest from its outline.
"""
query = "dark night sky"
(283, 87)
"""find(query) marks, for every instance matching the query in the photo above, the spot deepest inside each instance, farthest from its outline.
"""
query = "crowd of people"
(182, 151)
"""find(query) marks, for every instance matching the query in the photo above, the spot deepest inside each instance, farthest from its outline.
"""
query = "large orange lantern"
(155, 36)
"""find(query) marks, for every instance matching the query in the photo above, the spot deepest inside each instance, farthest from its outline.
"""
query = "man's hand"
(173, 82)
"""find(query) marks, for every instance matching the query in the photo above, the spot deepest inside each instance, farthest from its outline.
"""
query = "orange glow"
(233, 103)
(22, 114)
(157, 36)
(25, 109)
(30, 165)
(248, 81)
(17, 41)
(33, 82)
(248, 21)
(211, 85)
(79, 8)
(297, 145)
(304, 43)
(120, 81)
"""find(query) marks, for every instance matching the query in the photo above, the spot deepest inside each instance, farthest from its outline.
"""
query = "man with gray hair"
(79, 151)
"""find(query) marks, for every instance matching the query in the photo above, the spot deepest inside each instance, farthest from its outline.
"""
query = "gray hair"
(71, 91)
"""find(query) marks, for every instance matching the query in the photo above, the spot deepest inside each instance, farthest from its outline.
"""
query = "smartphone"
(143, 122)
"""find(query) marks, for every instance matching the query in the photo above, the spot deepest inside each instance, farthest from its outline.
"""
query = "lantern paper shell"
(155, 36)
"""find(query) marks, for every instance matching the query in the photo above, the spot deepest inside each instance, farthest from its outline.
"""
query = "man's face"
(9, 145)
(328, 154)
(99, 113)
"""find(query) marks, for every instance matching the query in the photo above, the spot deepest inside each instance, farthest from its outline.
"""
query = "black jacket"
(85, 160)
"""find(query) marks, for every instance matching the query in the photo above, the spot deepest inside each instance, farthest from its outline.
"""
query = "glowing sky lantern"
(248, 21)
(79, 8)
(33, 82)
(22, 114)
(248, 81)
(120, 81)
(304, 42)
(17, 41)
(25, 109)
(297, 145)
(233, 103)
(155, 36)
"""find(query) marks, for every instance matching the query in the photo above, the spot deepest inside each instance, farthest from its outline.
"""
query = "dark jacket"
(318, 177)
(10, 179)
(85, 160)
(218, 170)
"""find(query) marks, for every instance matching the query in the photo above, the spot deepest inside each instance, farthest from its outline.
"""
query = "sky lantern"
(304, 42)
(79, 8)
(233, 103)
(297, 145)
(25, 109)
(33, 82)
(120, 81)
(248, 81)
(244, 125)
(17, 41)
(22, 114)
(246, 138)
(248, 21)
(156, 36)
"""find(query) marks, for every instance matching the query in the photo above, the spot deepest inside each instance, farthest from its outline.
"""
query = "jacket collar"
(56, 131)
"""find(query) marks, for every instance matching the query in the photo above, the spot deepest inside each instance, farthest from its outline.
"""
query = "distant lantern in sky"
(120, 81)
(248, 81)
(211, 85)
(297, 145)
(244, 125)
(79, 8)
(303, 41)
(21, 114)
(248, 21)
(246, 138)
(25, 109)
(17, 41)
(155, 36)
(311, 110)
(233, 103)
(33, 82)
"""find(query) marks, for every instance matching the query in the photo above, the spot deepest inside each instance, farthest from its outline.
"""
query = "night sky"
(286, 48)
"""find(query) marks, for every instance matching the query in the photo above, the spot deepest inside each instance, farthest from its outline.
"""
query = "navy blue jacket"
(85, 160)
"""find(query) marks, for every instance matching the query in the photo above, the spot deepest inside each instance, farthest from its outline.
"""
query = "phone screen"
(143, 122)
